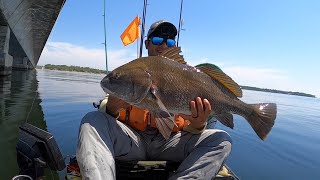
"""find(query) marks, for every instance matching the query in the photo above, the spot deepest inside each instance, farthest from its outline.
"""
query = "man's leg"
(101, 139)
(202, 155)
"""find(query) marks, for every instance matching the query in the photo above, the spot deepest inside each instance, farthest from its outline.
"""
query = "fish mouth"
(104, 81)
(106, 90)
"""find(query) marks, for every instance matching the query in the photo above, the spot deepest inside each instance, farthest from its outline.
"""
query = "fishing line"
(34, 98)
(47, 165)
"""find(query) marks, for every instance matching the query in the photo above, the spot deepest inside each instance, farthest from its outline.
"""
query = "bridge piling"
(5, 59)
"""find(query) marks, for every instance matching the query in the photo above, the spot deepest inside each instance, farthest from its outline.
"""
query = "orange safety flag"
(131, 33)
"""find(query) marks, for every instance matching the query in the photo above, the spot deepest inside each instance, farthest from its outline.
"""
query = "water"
(61, 99)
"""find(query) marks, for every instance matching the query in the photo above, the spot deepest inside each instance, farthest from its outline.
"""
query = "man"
(127, 133)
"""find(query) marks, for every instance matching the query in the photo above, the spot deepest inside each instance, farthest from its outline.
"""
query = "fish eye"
(116, 75)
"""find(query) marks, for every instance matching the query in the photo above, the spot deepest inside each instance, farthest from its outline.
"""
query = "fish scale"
(190, 80)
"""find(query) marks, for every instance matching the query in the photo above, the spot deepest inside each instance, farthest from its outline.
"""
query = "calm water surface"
(56, 101)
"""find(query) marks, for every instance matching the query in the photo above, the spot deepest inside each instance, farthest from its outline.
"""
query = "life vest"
(140, 119)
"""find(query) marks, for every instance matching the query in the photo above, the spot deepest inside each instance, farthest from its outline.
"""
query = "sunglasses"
(159, 41)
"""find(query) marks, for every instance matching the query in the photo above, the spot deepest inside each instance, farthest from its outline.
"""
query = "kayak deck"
(143, 170)
(158, 170)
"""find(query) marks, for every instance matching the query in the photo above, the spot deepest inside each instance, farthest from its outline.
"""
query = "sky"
(268, 44)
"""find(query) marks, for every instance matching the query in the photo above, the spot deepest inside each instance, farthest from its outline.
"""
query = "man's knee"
(96, 118)
(216, 136)
(91, 116)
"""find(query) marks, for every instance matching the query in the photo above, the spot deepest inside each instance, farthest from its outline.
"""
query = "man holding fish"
(151, 114)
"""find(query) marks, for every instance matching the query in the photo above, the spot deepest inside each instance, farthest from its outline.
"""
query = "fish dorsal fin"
(216, 73)
(173, 54)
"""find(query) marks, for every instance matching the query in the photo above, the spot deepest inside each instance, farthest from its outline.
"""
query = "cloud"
(263, 77)
(61, 53)
(258, 76)
(268, 78)
(249, 76)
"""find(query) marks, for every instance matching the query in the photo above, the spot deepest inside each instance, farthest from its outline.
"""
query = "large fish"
(165, 85)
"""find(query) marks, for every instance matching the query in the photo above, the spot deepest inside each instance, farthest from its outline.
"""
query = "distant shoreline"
(277, 91)
(98, 71)
(71, 68)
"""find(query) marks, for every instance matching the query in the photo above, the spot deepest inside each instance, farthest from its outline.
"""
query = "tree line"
(72, 68)
(277, 91)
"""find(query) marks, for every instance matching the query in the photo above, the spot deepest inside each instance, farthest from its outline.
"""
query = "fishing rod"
(144, 12)
(180, 23)
(105, 35)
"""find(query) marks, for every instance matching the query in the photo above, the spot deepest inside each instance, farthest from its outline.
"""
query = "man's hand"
(114, 105)
(201, 109)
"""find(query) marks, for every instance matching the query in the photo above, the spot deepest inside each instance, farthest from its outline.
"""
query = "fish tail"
(262, 118)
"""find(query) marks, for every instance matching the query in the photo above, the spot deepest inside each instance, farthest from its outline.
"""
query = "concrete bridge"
(25, 26)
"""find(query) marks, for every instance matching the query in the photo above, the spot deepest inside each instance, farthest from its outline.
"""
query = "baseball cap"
(162, 28)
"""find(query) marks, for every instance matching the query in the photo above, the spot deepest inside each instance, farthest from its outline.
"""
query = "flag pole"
(138, 40)
(138, 46)
(143, 25)
(105, 35)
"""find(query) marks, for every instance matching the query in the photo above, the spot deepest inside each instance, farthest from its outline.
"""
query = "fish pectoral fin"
(154, 91)
(173, 54)
(164, 125)
(217, 74)
(226, 119)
